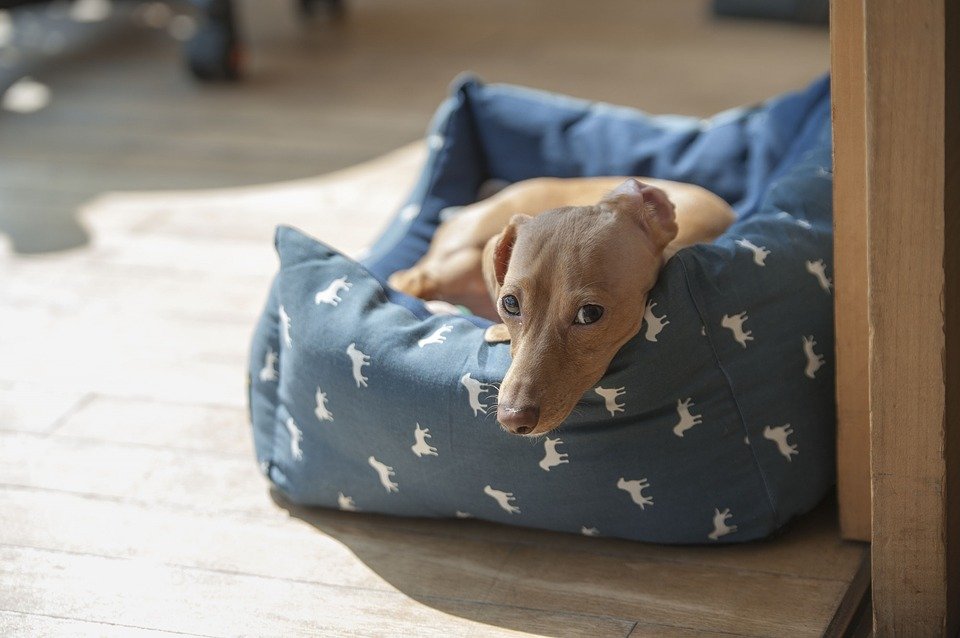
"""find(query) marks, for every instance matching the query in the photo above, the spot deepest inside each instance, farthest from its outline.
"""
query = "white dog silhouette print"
(385, 472)
(655, 324)
(779, 436)
(346, 503)
(503, 499)
(295, 437)
(359, 360)
(421, 447)
(819, 270)
(635, 490)
(610, 398)
(735, 325)
(474, 390)
(285, 326)
(323, 414)
(329, 295)
(589, 531)
(551, 457)
(437, 336)
(814, 361)
(720, 527)
(687, 420)
(759, 252)
(269, 370)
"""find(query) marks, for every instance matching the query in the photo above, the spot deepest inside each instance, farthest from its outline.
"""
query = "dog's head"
(570, 286)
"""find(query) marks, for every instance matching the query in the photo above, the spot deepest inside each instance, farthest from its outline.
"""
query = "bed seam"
(729, 383)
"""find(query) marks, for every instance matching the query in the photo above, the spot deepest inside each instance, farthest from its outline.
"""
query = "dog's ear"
(497, 333)
(496, 255)
(649, 206)
(504, 247)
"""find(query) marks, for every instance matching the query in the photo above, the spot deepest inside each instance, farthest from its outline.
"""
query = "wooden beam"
(850, 268)
(951, 206)
(912, 182)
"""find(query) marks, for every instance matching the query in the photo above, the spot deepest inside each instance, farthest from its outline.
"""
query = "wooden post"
(914, 292)
(850, 268)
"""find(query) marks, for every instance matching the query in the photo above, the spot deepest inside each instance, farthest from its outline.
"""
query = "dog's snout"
(518, 420)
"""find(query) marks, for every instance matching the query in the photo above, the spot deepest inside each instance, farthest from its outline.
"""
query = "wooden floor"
(130, 503)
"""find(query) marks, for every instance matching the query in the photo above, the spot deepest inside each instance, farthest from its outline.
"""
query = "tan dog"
(570, 284)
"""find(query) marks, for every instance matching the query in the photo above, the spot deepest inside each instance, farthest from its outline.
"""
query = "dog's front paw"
(414, 282)
(497, 333)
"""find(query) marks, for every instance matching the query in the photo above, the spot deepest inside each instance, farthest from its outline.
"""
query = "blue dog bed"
(714, 424)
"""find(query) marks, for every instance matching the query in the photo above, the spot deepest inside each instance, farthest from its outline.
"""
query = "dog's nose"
(518, 420)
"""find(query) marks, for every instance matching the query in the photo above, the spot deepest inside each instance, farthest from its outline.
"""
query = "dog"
(565, 266)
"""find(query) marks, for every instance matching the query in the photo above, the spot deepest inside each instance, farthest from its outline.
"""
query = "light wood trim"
(913, 351)
(850, 268)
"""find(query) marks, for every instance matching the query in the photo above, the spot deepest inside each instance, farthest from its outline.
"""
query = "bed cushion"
(714, 424)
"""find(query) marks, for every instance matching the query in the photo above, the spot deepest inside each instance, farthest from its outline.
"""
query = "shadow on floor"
(35, 232)
(451, 566)
(36, 214)
(549, 583)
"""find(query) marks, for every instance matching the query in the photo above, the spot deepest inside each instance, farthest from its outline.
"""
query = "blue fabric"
(714, 424)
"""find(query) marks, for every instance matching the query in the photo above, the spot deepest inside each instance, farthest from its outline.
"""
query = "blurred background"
(98, 95)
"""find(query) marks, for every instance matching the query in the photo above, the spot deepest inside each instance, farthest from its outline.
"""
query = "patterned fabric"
(714, 424)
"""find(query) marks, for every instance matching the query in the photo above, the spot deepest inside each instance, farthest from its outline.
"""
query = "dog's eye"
(588, 314)
(510, 305)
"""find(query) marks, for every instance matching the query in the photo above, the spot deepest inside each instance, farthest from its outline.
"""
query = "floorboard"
(136, 219)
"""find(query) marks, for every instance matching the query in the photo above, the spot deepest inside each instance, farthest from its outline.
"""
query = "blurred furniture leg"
(215, 51)
(334, 8)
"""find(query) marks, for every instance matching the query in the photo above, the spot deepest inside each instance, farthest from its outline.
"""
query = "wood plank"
(225, 257)
(27, 407)
(368, 58)
(380, 553)
(187, 479)
(192, 601)
(809, 549)
(223, 430)
(15, 623)
(67, 289)
(712, 599)
(185, 537)
(854, 609)
(142, 511)
(350, 550)
(381, 557)
(951, 266)
(914, 356)
(219, 483)
(110, 348)
(235, 209)
(850, 268)
(84, 179)
(202, 148)
(662, 631)
(327, 207)
(123, 113)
